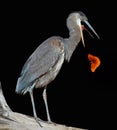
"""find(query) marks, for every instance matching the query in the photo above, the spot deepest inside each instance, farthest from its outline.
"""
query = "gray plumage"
(40, 65)
(45, 62)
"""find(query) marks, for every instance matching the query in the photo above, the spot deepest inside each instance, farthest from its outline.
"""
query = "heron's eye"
(82, 19)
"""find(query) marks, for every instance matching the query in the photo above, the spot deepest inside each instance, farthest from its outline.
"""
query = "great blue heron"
(45, 62)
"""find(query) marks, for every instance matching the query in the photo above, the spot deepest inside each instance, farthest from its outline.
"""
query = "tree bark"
(10, 120)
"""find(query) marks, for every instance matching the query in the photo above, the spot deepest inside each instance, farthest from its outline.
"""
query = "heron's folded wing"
(40, 62)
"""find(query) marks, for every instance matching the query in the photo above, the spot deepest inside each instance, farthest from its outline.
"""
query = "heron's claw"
(50, 122)
(38, 120)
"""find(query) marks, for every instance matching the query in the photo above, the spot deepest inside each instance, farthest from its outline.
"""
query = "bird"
(44, 64)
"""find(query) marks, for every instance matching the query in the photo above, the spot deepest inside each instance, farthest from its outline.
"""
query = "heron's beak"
(81, 32)
(88, 24)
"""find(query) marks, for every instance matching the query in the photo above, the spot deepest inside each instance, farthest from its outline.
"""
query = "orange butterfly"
(95, 62)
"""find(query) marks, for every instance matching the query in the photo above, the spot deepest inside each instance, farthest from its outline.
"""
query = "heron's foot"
(51, 122)
(38, 120)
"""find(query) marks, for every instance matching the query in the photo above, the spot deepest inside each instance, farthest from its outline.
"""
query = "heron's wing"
(40, 62)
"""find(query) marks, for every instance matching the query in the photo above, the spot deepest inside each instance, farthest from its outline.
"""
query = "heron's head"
(76, 19)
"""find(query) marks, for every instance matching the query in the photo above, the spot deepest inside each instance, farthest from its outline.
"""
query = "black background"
(76, 97)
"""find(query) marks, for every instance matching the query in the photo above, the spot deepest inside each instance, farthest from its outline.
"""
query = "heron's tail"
(18, 88)
(21, 87)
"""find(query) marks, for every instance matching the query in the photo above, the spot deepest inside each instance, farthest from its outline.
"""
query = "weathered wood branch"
(10, 120)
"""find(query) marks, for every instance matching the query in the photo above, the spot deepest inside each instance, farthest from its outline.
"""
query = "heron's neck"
(71, 43)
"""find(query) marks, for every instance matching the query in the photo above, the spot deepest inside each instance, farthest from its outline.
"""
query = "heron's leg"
(46, 104)
(33, 106)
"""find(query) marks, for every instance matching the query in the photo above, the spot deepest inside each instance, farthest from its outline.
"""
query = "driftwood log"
(10, 120)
